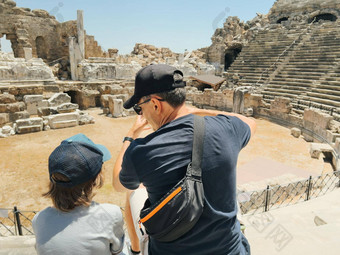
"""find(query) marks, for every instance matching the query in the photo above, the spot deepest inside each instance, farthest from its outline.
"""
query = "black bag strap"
(197, 148)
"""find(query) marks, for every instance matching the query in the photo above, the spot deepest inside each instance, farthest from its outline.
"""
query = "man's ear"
(157, 106)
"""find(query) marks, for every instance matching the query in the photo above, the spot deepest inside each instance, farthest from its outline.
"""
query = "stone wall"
(16, 69)
(228, 41)
(302, 11)
(316, 126)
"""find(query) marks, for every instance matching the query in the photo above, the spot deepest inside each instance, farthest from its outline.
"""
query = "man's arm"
(203, 112)
(139, 126)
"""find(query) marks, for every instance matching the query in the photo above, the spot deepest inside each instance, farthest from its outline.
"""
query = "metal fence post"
(309, 187)
(267, 202)
(17, 219)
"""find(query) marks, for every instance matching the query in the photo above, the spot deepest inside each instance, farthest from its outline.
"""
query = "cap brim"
(131, 102)
(84, 139)
(105, 151)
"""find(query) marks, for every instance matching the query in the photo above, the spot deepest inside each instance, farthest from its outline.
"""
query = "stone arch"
(279, 21)
(41, 47)
(230, 55)
(6, 43)
(324, 16)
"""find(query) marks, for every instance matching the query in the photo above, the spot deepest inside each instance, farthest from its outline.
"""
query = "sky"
(177, 24)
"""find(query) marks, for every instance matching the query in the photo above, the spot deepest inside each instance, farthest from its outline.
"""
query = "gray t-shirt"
(97, 229)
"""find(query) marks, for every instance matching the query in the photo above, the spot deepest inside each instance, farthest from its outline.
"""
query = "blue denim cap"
(79, 159)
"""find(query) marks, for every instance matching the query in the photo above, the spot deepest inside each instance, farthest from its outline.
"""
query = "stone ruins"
(283, 66)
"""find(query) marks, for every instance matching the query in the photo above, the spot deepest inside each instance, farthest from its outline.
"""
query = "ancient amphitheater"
(282, 68)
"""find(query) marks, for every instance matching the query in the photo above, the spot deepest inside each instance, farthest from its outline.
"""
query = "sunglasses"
(137, 107)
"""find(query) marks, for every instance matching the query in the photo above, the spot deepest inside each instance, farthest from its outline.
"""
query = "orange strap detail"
(154, 211)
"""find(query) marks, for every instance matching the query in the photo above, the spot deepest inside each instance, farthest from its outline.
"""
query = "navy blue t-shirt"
(160, 160)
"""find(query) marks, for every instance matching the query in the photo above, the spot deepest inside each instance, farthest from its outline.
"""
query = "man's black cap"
(154, 79)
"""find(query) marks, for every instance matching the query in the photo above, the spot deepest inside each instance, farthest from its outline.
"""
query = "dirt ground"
(24, 159)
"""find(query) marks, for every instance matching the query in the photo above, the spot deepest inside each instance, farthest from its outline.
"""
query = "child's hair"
(67, 198)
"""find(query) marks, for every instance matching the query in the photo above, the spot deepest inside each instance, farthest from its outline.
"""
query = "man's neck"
(174, 113)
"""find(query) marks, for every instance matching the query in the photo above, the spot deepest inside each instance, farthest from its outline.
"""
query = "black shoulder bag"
(179, 210)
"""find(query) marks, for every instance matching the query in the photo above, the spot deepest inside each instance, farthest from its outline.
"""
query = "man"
(159, 160)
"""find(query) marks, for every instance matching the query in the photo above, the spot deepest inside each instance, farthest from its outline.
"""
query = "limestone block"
(296, 132)
(7, 99)
(29, 125)
(104, 100)
(33, 102)
(281, 105)
(11, 108)
(337, 145)
(4, 118)
(116, 107)
(58, 99)
(249, 112)
(87, 98)
(110, 89)
(28, 53)
(106, 111)
(26, 90)
(85, 118)
(67, 107)
(44, 111)
(63, 120)
(316, 149)
(18, 115)
(6, 131)
(316, 118)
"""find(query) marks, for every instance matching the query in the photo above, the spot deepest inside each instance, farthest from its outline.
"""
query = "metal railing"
(278, 196)
(15, 222)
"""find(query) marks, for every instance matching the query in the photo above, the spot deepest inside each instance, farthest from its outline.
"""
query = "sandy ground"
(24, 172)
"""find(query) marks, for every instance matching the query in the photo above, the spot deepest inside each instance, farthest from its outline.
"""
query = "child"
(76, 224)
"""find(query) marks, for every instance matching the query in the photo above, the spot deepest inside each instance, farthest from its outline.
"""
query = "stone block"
(58, 99)
(11, 108)
(30, 125)
(44, 111)
(116, 107)
(33, 102)
(4, 118)
(33, 98)
(63, 120)
(87, 98)
(67, 108)
(28, 53)
(106, 111)
(7, 99)
(85, 118)
(104, 100)
(337, 145)
(111, 89)
(316, 149)
(18, 116)
(6, 131)
(296, 132)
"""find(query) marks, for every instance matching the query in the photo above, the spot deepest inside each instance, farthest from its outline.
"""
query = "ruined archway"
(324, 16)
(41, 47)
(230, 56)
(74, 96)
(279, 21)
(6, 44)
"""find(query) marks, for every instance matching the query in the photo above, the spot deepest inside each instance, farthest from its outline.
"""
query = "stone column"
(73, 61)
(81, 33)
(77, 46)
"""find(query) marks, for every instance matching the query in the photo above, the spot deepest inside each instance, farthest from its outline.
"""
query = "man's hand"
(140, 125)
